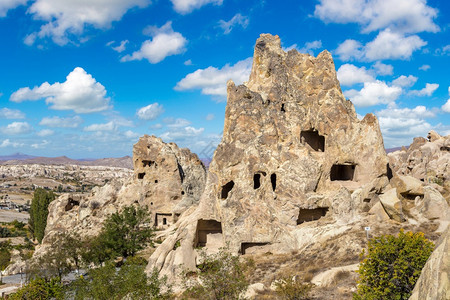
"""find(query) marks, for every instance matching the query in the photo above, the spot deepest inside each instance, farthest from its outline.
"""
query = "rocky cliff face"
(427, 160)
(293, 152)
(166, 179)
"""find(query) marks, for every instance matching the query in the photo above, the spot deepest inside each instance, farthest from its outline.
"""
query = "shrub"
(220, 276)
(291, 289)
(392, 266)
(40, 288)
(5, 254)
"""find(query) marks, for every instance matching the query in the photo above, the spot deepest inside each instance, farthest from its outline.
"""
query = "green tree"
(123, 234)
(40, 289)
(39, 212)
(5, 254)
(392, 266)
(220, 276)
(129, 282)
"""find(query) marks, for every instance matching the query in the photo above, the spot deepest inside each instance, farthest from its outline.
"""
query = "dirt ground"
(11, 215)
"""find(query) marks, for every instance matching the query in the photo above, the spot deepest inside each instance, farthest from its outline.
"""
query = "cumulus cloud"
(110, 126)
(445, 50)
(425, 67)
(408, 16)
(150, 112)
(57, 122)
(187, 6)
(212, 81)
(16, 128)
(181, 133)
(405, 81)
(349, 74)
(176, 123)
(80, 93)
(7, 143)
(374, 93)
(309, 46)
(6, 5)
(428, 90)
(446, 106)
(238, 19)
(6, 113)
(45, 132)
(65, 18)
(165, 42)
(40, 145)
(400, 125)
(383, 69)
(188, 62)
(387, 45)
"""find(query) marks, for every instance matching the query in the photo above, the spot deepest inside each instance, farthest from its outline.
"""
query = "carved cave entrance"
(141, 175)
(313, 139)
(246, 246)
(344, 172)
(308, 215)
(226, 189)
(205, 230)
(162, 219)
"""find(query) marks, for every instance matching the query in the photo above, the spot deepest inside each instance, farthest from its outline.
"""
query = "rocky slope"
(121, 162)
(295, 169)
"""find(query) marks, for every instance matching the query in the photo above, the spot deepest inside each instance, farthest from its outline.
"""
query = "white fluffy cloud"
(110, 126)
(349, 74)
(309, 46)
(238, 19)
(212, 81)
(428, 90)
(7, 143)
(383, 69)
(406, 16)
(405, 81)
(150, 112)
(120, 48)
(57, 122)
(387, 45)
(16, 128)
(45, 132)
(80, 93)
(425, 67)
(374, 93)
(6, 5)
(181, 133)
(165, 42)
(187, 6)
(6, 113)
(71, 17)
(400, 125)
(41, 145)
(176, 123)
(446, 106)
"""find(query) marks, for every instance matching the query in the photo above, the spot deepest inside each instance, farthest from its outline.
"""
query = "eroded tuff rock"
(167, 179)
(293, 152)
(434, 281)
(427, 160)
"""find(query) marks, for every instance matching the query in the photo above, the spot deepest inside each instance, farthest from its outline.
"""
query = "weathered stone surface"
(379, 212)
(292, 152)
(426, 160)
(174, 180)
(408, 186)
(392, 205)
(434, 281)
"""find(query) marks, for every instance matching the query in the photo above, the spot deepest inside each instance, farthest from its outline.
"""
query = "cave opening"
(141, 175)
(308, 215)
(226, 189)
(343, 172)
(206, 229)
(313, 139)
(256, 181)
(273, 180)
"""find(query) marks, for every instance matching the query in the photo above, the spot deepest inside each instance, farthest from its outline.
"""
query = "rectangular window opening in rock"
(246, 246)
(313, 139)
(141, 175)
(344, 172)
(273, 181)
(256, 181)
(389, 172)
(308, 215)
(226, 189)
(162, 219)
(206, 228)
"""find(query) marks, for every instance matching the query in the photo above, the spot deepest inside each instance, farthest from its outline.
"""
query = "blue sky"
(87, 78)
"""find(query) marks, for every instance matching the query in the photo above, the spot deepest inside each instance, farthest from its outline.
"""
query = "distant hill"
(394, 149)
(16, 156)
(20, 158)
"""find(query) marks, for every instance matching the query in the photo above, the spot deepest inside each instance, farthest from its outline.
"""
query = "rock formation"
(434, 281)
(427, 160)
(166, 179)
(293, 152)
